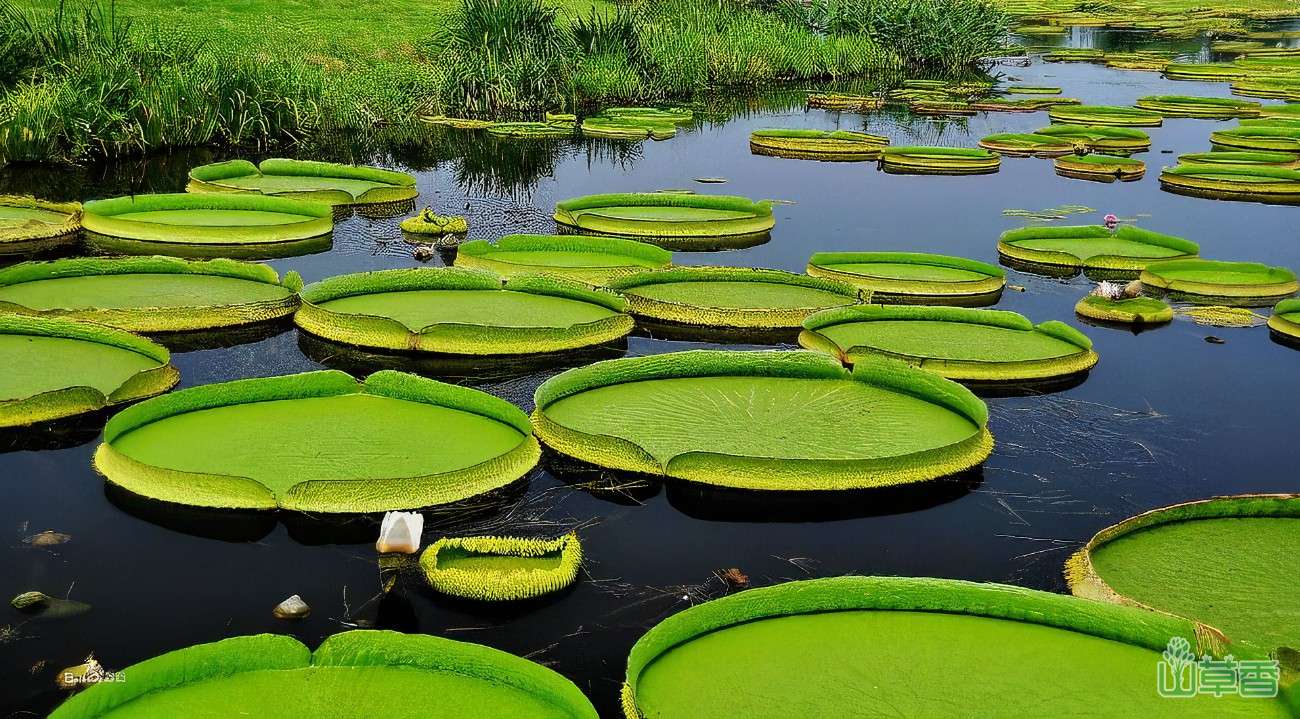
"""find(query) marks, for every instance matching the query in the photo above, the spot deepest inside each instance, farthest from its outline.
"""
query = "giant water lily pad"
(739, 297)
(750, 655)
(1285, 321)
(939, 161)
(30, 225)
(913, 277)
(150, 294)
(56, 368)
(1253, 183)
(594, 260)
(499, 569)
(1106, 115)
(628, 128)
(461, 311)
(1221, 562)
(1092, 247)
(817, 144)
(667, 218)
(1129, 310)
(208, 225)
(1027, 145)
(955, 342)
(1205, 107)
(787, 421)
(1241, 157)
(1100, 168)
(318, 442)
(1263, 138)
(353, 674)
(1247, 284)
(306, 180)
(1101, 139)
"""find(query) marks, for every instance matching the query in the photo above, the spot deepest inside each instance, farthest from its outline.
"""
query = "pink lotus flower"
(1111, 221)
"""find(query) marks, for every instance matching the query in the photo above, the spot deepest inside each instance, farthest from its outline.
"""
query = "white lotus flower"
(1109, 290)
(400, 532)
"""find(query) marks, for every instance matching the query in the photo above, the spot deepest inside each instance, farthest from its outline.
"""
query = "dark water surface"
(1165, 417)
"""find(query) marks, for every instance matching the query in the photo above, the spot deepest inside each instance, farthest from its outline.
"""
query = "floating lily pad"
(843, 102)
(1105, 115)
(1288, 111)
(1205, 72)
(594, 260)
(1216, 561)
(327, 182)
(942, 108)
(999, 104)
(628, 128)
(1075, 54)
(1206, 107)
(1129, 311)
(1245, 284)
(460, 123)
(913, 277)
(817, 144)
(353, 674)
(1115, 140)
(208, 224)
(751, 654)
(150, 294)
(1269, 88)
(954, 342)
(1285, 320)
(1033, 90)
(30, 225)
(939, 161)
(1234, 182)
(673, 220)
(1100, 168)
(318, 442)
(652, 115)
(1267, 138)
(1241, 157)
(735, 297)
(789, 421)
(1093, 247)
(56, 368)
(461, 311)
(532, 130)
(497, 569)
(1020, 144)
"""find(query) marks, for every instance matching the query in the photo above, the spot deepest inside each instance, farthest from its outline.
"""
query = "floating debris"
(733, 577)
(292, 608)
(1221, 316)
(711, 180)
(88, 672)
(1215, 340)
(48, 538)
(1051, 213)
(44, 606)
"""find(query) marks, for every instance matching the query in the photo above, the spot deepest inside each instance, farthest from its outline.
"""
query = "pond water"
(1165, 417)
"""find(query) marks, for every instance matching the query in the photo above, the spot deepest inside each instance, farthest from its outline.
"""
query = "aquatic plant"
(939, 161)
(1233, 182)
(594, 260)
(669, 218)
(501, 569)
(56, 368)
(1207, 107)
(1093, 247)
(913, 277)
(959, 343)
(841, 145)
(1247, 284)
(400, 532)
(29, 225)
(1102, 168)
(1124, 310)
(1265, 138)
(627, 128)
(317, 442)
(329, 182)
(1241, 157)
(1285, 320)
(1097, 138)
(930, 33)
(1105, 115)
(1016, 144)
(428, 222)
(844, 102)
(739, 297)
(150, 294)
(699, 662)
(461, 311)
(777, 420)
(357, 672)
(1249, 533)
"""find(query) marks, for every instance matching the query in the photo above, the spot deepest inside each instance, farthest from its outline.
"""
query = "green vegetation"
(56, 368)
(1131, 310)
(29, 225)
(801, 144)
(317, 442)
(327, 182)
(1206, 107)
(844, 103)
(1241, 157)
(1234, 182)
(150, 294)
(776, 420)
(1106, 115)
(913, 277)
(1016, 144)
(1093, 247)
(1227, 578)
(729, 657)
(594, 260)
(1248, 284)
(451, 310)
(1102, 168)
(954, 342)
(358, 673)
(260, 73)
(1285, 320)
(670, 219)
(939, 161)
(498, 569)
(1096, 138)
(1266, 138)
(733, 297)
(427, 223)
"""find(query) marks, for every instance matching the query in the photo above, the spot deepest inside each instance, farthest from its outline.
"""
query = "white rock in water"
(292, 608)
(400, 533)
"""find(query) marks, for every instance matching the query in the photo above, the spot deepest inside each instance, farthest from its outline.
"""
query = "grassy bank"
(115, 79)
